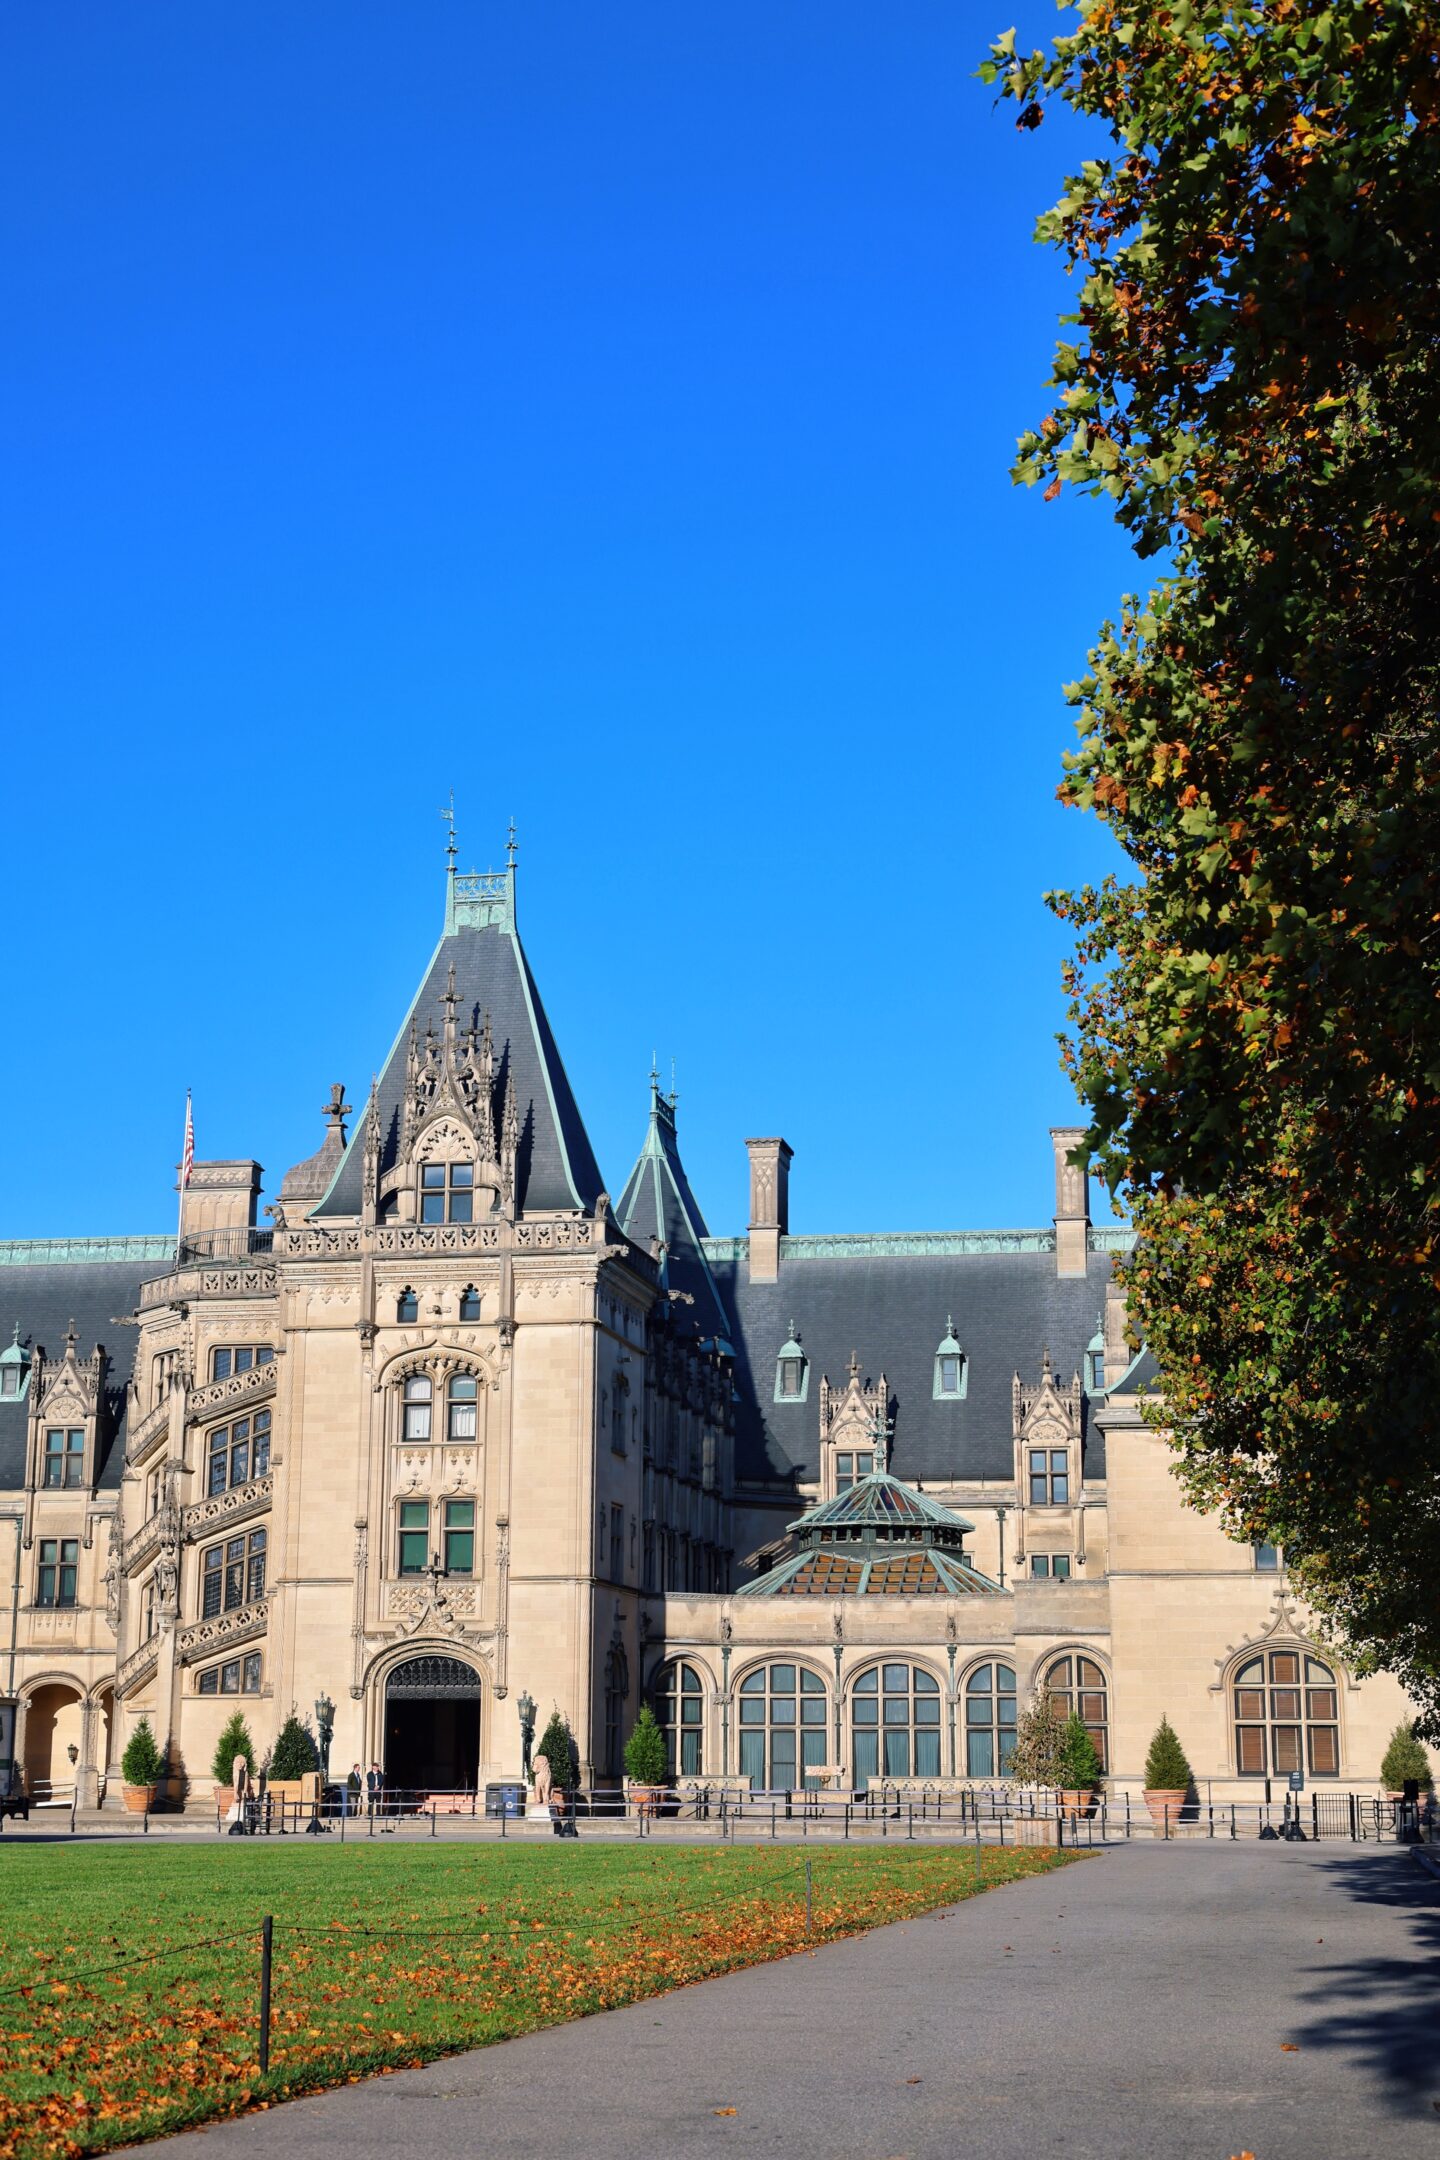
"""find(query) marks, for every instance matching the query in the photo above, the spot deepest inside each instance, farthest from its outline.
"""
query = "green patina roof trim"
(916, 1244)
(74, 1252)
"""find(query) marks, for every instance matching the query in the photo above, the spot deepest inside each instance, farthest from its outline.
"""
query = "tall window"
(617, 1687)
(416, 1422)
(990, 1720)
(1049, 1477)
(647, 1557)
(782, 1728)
(414, 1536)
(617, 1544)
(407, 1307)
(64, 1458)
(461, 1397)
(680, 1708)
(895, 1710)
(447, 1192)
(232, 1574)
(618, 1393)
(1077, 1683)
(459, 1537)
(237, 1452)
(238, 1358)
(1287, 1716)
(469, 1303)
(850, 1467)
(59, 1569)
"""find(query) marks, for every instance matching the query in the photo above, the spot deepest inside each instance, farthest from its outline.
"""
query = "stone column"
(769, 1205)
(1072, 1202)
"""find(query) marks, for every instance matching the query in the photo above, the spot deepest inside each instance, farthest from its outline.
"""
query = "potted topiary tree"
(141, 1767)
(646, 1764)
(235, 1740)
(1405, 1757)
(557, 1752)
(294, 1763)
(1078, 1767)
(1167, 1776)
(1039, 1735)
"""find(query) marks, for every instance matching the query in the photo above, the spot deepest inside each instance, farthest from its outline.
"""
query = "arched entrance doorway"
(432, 1725)
(54, 1717)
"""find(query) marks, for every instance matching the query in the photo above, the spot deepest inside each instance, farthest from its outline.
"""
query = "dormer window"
(469, 1303)
(64, 1458)
(1095, 1360)
(407, 1306)
(447, 1192)
(10, 1379)
(952, 1375)
(792, 1371)
(14, 1370)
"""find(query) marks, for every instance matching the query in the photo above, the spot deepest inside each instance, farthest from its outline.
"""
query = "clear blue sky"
(605, 412)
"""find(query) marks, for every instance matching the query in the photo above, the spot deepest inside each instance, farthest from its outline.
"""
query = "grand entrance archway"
(432, 1725)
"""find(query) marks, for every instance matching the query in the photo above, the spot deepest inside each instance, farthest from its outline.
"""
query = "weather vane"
(448, 813)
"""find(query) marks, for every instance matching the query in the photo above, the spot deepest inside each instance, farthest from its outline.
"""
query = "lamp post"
(325, 1728)
(525, 1704)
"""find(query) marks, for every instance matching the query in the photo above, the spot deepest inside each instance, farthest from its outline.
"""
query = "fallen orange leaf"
(723, 2111)
(1289, 2047)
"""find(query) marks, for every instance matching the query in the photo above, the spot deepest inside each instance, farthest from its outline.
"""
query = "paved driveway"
(1154, 2003)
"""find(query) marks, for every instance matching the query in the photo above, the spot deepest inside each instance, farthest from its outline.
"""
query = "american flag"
(187, 1157)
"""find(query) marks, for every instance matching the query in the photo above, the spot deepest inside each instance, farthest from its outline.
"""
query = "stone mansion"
(461, 1426)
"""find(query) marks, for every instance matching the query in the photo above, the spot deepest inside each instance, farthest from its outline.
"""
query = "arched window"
(617, 1687)
(680, 1708)
(1286, 1716)
(989, 1721)
(782, 1728)
(460, 1408)
(895, 1712)
(1077, 1683)
(417, 1407)
(407, 1306)
(469, 1303)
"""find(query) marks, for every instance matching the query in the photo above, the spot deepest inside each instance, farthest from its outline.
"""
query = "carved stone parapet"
(196, 1280)
(223, 1509)
(150, 1534)
(138, 1666)
(406, 1601)
(420, 1238)
(310, 1243)
(217, 1394)
(151, 1429)
(223, 1632)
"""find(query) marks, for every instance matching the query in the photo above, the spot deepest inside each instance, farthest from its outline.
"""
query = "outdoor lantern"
(74, 1753)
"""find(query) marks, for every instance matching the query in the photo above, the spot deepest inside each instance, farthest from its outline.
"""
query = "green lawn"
(383, 1956)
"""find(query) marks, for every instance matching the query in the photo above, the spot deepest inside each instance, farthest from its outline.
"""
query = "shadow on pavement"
(1385, 2011)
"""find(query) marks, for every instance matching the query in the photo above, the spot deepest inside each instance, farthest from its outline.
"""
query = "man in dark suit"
(375, 1789)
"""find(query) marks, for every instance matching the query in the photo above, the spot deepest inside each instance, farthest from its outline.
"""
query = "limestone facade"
(458, 1428)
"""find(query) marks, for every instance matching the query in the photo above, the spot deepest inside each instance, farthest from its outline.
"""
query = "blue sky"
(606, 413)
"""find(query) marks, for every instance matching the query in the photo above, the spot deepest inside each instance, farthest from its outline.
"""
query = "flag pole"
(187, 1157)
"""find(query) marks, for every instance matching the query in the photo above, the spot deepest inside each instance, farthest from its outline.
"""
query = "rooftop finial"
(448, 813)
(510, 847)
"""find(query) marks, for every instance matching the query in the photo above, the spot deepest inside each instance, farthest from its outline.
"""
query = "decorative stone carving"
(224, 1629)
(249, 1386)
(228, 1507)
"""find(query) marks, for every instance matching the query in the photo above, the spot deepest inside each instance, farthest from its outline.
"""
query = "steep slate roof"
(44, 1298)
(556, 1168)
(657, 1203)
(888, 1299)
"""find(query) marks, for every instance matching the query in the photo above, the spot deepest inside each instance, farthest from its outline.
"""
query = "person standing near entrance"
(374, 1788)
(354, 1786)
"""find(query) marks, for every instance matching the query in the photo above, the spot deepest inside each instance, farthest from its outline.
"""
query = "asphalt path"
(1156, 2002)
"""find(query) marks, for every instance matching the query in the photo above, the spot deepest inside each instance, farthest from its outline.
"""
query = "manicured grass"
(383, 1956)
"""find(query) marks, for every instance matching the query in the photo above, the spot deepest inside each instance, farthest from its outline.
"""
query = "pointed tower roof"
(479, 967)
(657, 1203)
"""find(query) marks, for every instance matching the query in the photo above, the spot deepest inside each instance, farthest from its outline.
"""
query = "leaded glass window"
(59, 1571)
(239, 1357)
(783, 1711)
(1049, 1477)
(414, 1536)
(895, 1714)
(232, 1574)
(850, 1467)
(459, 1537)
(680, 1710)
(1287, 1716)
(446, 1192)
(1077, 1683)
(990, 1718)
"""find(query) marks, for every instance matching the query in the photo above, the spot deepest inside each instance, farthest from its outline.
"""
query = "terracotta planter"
(647, 1799)
(1075, 1800)
(1165, 1805)
(139, 1799)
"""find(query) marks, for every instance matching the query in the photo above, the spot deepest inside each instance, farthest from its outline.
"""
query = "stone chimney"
(769, 1205)
(1072, 1202)
(220, 1196)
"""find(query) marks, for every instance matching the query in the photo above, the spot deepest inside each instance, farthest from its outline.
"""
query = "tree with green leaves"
(558, 1749)
(142, 1762)
(1404, 1758)
(1039, 1756)
(1254, 385)
(1078, 1762)
(294, 1754)
(1167, 1766)
(234, 1740)
(646, 1758)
